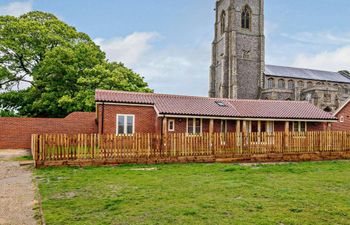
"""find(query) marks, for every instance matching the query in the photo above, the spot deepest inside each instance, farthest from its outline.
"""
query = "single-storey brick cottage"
(128, 113)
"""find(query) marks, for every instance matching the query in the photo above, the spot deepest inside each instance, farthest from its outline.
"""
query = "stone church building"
(238, 69)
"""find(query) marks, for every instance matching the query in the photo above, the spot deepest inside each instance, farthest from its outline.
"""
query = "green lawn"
(300, 193)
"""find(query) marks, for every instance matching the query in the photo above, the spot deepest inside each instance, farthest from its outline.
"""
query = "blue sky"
(169, 41)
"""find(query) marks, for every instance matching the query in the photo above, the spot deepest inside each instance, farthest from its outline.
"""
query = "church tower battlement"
(238, 55)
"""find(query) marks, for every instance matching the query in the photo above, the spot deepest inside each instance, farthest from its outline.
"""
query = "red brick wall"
(16, 133)
(311, 126)
(181, 123)
(145, 118)
(343, 126)
(279, 126)
(316, 126)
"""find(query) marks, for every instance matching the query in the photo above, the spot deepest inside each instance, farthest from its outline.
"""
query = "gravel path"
(16, 191)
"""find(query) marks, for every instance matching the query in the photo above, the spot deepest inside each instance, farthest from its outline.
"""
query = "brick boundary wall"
(15, 133)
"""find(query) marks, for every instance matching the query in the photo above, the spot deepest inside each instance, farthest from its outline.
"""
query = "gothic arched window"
(281, 84)
(300, 84)
(223, 22)
(270, 83)
(309, 84)
(291, 84)
(246, 17)
(346, 89)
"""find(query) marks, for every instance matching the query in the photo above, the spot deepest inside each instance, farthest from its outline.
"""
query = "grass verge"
(298, 193)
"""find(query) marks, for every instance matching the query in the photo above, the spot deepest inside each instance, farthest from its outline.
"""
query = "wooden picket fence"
(121, 148)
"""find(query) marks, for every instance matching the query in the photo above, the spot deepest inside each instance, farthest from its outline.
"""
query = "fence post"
(244, 136)
(35, 148)
(238, 136)
(100, 147)
(165, 136)
(211, 132)
(286, 136)
(33, 145)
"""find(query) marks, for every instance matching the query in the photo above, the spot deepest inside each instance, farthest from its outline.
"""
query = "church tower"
(238, 55)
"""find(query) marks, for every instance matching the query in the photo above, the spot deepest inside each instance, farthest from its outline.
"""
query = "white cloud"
(175, 69)
(16, 8)
(127, 49)
(324, 37)
(178, 70)
(322, 50)
(336, 60)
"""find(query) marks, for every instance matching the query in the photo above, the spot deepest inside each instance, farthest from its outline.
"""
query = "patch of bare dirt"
(17, 191)
(144, 169)
(266, 163)
(67, 195)
(10, 153)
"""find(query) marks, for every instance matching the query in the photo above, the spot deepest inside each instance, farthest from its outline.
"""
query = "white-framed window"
(341, 119)
(265, 126)
(299, 126)
(223, 126)
(171, 125)
(125, 124)
(194, 126)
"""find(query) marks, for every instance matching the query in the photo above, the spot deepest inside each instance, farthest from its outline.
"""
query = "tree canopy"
(59, 66)
(345, 73)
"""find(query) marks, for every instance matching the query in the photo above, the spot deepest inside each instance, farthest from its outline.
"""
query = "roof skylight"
(219, 103)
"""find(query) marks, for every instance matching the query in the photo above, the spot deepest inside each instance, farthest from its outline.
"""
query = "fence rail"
(64, 147)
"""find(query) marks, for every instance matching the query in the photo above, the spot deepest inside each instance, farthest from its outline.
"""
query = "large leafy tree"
(60, 67)
(345, 73)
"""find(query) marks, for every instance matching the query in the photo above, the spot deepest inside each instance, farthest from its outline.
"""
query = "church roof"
(181, 105)
(309, 74)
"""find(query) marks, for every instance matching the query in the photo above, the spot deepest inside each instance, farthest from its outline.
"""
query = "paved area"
(17, 190)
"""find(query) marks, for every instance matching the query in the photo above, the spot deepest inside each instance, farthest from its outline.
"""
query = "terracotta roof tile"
(203, 106)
